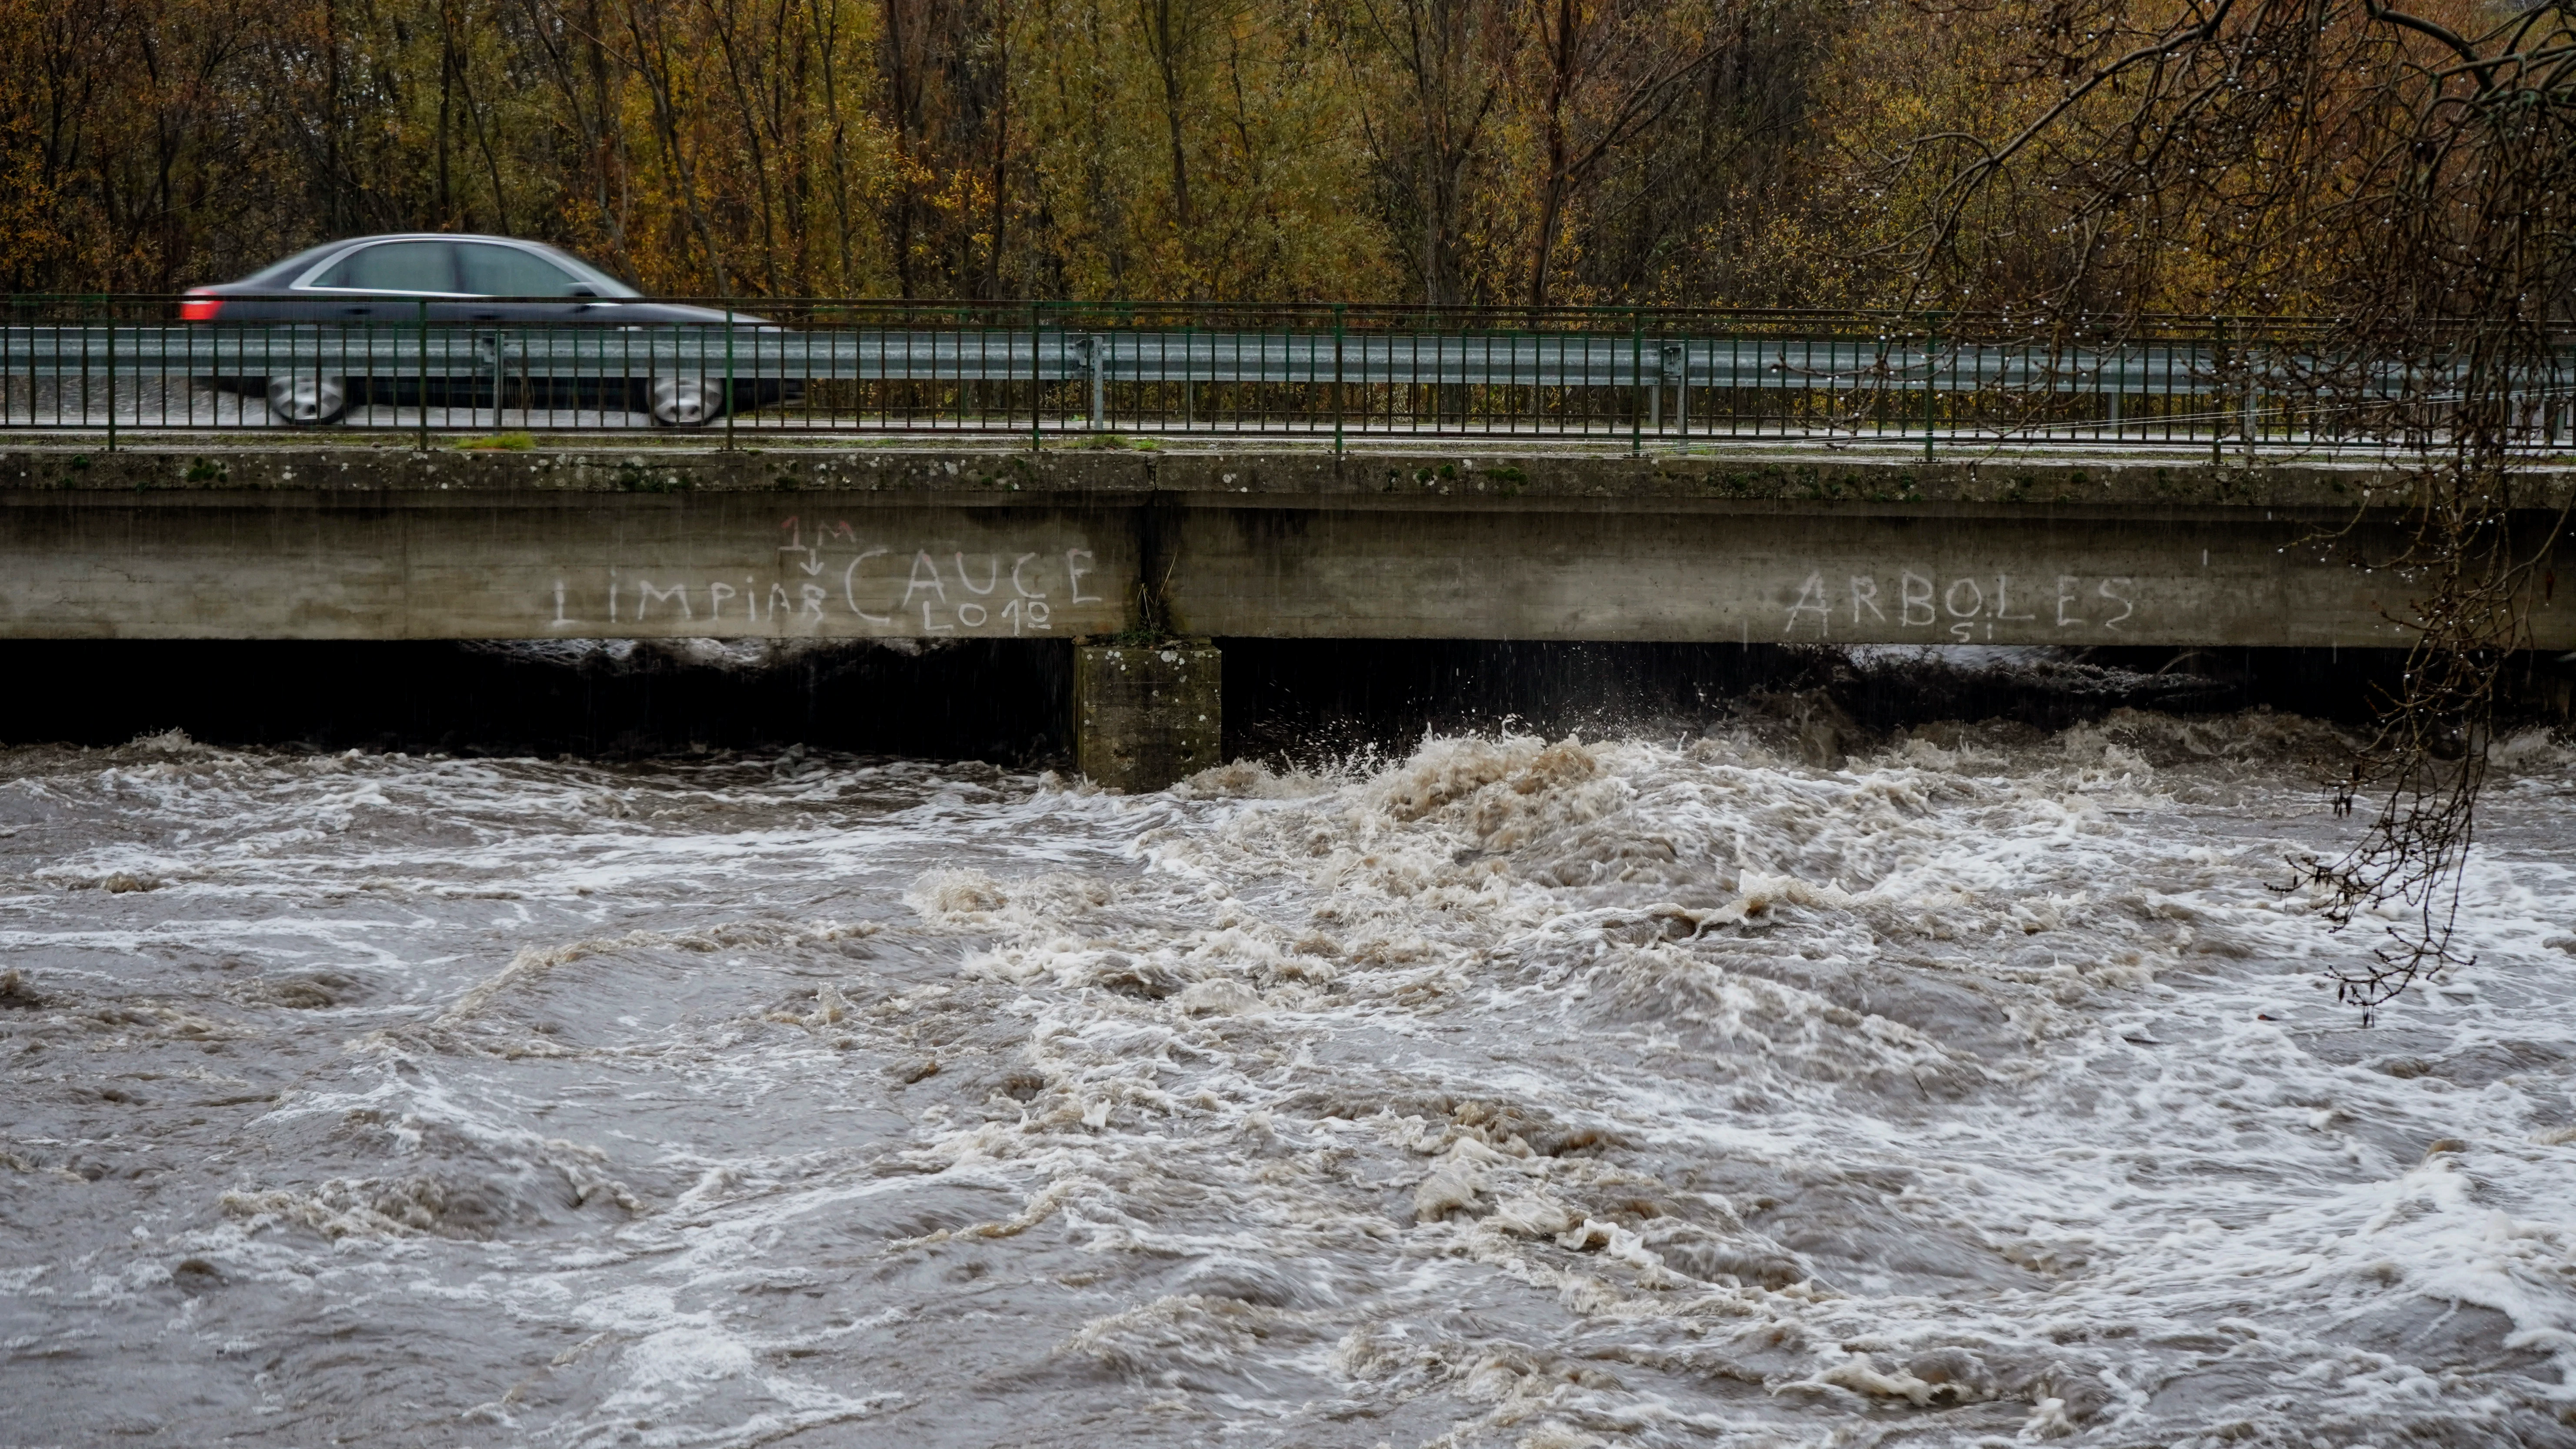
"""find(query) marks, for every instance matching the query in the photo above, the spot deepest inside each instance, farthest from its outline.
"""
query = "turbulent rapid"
(1514, 1093)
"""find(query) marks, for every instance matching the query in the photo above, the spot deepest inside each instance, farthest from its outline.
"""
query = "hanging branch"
(2405, 182)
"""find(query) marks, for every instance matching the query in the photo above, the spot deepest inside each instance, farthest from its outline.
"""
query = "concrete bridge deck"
(301, 540)
(382, 543)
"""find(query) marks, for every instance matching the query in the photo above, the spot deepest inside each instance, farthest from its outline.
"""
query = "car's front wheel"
(308, 399)
(682, 402)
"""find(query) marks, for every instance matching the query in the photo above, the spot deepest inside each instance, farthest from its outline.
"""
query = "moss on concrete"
(1523, 476)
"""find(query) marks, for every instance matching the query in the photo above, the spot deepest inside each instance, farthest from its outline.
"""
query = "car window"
(279, 274)
(403, 266)
(491, 271)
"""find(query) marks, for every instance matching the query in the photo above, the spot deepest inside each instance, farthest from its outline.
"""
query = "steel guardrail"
(114, 363)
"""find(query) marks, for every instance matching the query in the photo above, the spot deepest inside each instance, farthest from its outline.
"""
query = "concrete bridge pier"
(1147, 715)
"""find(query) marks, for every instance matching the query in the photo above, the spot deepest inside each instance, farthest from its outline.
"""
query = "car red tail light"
(199, 307)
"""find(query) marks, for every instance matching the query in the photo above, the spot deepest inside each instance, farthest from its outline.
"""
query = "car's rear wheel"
(682, 402)
(308, 399)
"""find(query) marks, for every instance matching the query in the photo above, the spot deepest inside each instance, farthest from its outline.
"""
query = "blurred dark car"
(372, 285)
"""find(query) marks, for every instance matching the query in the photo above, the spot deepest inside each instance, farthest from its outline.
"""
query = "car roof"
(350, 241)
(288, 271)
(303, 261)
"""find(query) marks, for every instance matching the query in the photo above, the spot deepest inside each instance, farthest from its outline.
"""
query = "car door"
(376, 293)
(519, 297)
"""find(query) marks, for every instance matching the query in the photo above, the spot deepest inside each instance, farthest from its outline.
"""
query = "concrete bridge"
(840, 542)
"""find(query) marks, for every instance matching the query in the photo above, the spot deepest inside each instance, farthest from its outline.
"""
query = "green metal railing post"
(1095, 361)
(1337, 379)
(2217, 393)
(111, 377)
(1037, 384)
(80, 319)
(2252, 412)
(1636, 383)
(728, 392)
(423, 305)
(1931, 376)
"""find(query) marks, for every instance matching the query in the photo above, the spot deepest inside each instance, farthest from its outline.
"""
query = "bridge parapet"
(385, 542)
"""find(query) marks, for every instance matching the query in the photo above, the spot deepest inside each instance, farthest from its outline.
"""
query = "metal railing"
(422, 365)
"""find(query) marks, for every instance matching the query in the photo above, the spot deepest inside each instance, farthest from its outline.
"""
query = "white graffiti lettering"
(1864, 590)
(924, 574)
(1966, 608)
(849, 593)
(2126, 608)
(646, 595)
(1914, 592)
(1811, 600)
(946, 590)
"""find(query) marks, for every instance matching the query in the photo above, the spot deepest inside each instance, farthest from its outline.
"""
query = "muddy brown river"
(1518, 1093)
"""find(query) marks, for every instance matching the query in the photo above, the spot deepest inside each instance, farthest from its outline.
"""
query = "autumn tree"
(1594, 74)
(1201, 149)
(1435, 70)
